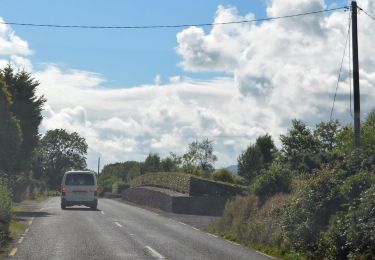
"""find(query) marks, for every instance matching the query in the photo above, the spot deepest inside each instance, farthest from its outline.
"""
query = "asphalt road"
(119, 231)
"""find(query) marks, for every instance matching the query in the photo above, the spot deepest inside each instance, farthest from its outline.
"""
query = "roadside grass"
(279, 253)
(16, 228)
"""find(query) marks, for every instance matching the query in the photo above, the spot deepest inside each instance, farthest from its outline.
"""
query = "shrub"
(224, 175)
(246, 221)
(355, 185)
(275, 180)
(5, 209)
(119, 186)
(351, 234)
(311, 208)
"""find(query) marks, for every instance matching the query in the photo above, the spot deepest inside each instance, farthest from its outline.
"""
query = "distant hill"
(233, 168)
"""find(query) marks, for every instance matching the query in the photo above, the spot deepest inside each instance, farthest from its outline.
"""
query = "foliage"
(224, 175)
(58, 152)
(256, 157)
(326, 133)
(118, 187)
(309, 211)
(152, 163)
(200, 155)
(5, 208)
(118, 172)
(301, 148)
(10, 132)
(276, 179)
(27, 108)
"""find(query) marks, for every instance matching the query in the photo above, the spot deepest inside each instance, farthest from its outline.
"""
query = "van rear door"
(80, 187)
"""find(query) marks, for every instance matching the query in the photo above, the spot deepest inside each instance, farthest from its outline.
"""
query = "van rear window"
(78, 179)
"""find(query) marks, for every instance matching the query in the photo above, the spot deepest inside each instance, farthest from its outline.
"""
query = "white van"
(79, 188)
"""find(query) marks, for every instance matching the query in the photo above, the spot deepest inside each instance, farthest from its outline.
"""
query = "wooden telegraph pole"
(357, 101)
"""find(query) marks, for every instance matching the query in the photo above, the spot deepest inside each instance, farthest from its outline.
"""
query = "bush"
(355, 185)
(311, 208)
(5, 209)
(351, 234)
(224, 175)
(246, 221)
(275, 180)
(119, 186)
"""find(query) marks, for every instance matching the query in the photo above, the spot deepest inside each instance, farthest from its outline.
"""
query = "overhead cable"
(172, 26)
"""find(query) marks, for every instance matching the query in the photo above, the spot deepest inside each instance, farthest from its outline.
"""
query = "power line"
(342, 62)
(172, 26)
(367, 13)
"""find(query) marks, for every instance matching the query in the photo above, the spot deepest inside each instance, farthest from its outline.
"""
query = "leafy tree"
(224, 175)
(118, 172)
(301, 148)
(152, 163)
(10, 132)
(58, 152)
(326, 133)
(200, 155)
(256, 157)
(27, 108)
(250, 163)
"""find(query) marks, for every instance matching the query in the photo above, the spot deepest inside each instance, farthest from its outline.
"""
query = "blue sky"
(125, 57)
(248, 79)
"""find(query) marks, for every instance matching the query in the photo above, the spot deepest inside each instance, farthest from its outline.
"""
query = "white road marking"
(195, 228)
(266, 255)
(212, 235)
(102, 212)
(20, 240)
(182, 223)
(118, 224)
(13, 252)
(233, 243)
(154, 253)
(26, 230)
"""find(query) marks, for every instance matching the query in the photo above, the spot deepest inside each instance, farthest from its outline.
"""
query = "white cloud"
(276, 71)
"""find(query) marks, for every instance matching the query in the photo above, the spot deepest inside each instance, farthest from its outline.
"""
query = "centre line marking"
(154, 253)
(13, 252)
(118, 224)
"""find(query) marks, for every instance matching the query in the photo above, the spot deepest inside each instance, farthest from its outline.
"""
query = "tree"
(200, 155)
(58, 152)
(326, 133)
(10, 132)
(256, 157)
(152, 163)
(250, 163)
(27, 108)
(301, 148)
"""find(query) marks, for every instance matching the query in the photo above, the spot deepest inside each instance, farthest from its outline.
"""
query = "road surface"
(119, 231)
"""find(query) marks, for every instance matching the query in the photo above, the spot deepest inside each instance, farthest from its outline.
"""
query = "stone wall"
(175, 202)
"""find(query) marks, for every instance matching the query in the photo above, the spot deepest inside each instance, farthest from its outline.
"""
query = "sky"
(132, 92)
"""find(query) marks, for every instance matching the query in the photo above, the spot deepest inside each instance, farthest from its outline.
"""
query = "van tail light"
(63, 190)
(96, 191)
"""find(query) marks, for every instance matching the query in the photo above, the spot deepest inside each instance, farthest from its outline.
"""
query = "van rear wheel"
(63, 206)
(94, 206)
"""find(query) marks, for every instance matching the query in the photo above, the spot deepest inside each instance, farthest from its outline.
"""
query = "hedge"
(187, 184)
(5, 209)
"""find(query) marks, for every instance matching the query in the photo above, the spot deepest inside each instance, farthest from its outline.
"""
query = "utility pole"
(357, 101)
(98, 164)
